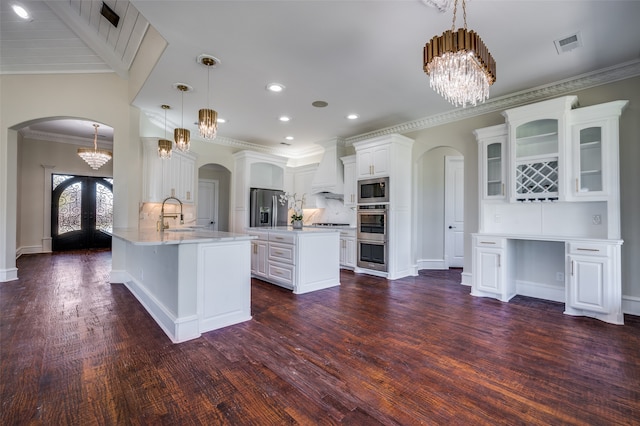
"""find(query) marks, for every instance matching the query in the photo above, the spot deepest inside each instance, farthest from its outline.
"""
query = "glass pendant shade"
(208, 123)
(182, 138)
(95, 157)
(459, 65)
(164, 148)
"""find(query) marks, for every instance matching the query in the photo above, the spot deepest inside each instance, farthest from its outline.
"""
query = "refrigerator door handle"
(274, 209)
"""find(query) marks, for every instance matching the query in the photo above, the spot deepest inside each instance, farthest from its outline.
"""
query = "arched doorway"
(214, 204)
(81, 209)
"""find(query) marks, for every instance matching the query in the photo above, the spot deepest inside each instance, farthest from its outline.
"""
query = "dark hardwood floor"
(77, 350)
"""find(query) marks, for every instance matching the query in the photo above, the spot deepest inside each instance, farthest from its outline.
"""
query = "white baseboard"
(177, 329)
(431, 264)
(9, 274)
(466, 279)
(540, 290)
(30, 250)
(631, 305)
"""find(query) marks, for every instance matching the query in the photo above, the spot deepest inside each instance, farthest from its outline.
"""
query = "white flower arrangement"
(293, 203)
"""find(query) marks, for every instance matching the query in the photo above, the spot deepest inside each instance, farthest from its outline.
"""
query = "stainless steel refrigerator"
(265, 208)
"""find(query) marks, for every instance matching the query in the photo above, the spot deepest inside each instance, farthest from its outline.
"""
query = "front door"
(82, 207)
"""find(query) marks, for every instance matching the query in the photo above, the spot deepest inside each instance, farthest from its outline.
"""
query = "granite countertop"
(176, 236)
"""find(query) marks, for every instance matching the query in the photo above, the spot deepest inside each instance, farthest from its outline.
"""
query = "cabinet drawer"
(281, 273)
(282, 238)
(261, 235)
(496, 242)
(281, 252)
(346, 233)
(589, 249)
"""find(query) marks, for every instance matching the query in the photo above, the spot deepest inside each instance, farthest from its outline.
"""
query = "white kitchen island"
(190, 281)
(302, 260)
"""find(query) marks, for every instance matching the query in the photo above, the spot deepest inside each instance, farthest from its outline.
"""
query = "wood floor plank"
(76, 350)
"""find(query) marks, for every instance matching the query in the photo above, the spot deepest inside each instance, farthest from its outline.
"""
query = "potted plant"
(295, 207)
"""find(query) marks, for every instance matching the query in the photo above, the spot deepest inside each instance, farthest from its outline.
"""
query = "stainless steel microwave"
(373, 190)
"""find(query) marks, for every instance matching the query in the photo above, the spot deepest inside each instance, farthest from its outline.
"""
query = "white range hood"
(329, 178)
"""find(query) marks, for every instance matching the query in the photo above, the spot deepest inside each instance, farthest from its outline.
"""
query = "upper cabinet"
(373, 161)
(594, 151)
(492, 148)
(174, 177)
(350, 181)
(537, 142)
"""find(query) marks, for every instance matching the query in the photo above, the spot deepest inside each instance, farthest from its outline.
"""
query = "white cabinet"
(537, 137)
(490, 266)
(173, 177)
(348, 248)
(592, 267)
(390, 155)
(259, 253)
(492, 148)
(373, 161)
(350, 181)
(302, 261)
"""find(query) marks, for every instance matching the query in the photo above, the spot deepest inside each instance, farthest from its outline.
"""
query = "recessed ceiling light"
(275, 87)
(20, 11)
(284, 118)
(289, 138)
(221, 120)
(319, 104)
(353, 116)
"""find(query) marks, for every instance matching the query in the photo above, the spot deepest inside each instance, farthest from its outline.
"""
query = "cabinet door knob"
(451, 227)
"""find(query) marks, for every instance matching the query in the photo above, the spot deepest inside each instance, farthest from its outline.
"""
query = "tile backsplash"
(149, 214)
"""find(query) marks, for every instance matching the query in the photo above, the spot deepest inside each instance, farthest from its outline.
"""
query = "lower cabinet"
(593, 270)
(490, 278)
(348, 249)
(592, 282)
(302, 261)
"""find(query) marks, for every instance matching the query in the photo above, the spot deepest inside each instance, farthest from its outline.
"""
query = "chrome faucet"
(164, 225)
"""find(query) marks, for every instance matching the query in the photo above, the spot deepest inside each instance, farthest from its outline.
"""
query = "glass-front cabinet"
(492, 147)
(536, 160)
(589, 159)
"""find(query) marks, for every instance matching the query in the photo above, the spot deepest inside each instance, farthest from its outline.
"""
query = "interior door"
(454, 211)
(208, 204)
(82, 207)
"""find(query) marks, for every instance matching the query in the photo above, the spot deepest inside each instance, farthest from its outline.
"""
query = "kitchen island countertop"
(175, 236)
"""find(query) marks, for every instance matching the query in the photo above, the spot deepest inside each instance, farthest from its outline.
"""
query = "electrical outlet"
(559, 276)
(596, 219)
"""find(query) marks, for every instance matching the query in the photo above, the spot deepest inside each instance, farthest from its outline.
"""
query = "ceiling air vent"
(567, 44)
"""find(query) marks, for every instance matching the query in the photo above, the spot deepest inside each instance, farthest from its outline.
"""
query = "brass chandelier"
(165, 145)
(207, 117)
(459, 65)
(182, 136)
(95, 157)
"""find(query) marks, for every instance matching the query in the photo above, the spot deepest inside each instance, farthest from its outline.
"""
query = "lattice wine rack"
(537, 181)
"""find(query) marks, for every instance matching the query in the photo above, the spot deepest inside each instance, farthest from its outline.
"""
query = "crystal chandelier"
(208, 118)
(95, 157)
(181, 135)
(165, 145)
(459, 65)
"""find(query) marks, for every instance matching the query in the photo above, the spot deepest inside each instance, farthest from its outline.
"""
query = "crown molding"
(580, 82)
(38, 135)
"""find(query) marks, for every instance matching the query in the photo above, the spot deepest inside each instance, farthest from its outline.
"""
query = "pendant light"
(165, 145)
(459, 65)
(207, 117)
(95, 157)
(181, 135)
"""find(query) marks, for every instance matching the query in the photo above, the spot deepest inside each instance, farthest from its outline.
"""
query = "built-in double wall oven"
(372, 235)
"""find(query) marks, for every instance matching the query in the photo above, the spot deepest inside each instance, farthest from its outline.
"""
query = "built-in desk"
(583, 273)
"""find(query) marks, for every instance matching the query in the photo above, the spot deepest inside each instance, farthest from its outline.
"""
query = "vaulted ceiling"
(362, 57)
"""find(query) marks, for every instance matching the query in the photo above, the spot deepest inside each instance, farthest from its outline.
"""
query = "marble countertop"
(305, 229)
(176, 236)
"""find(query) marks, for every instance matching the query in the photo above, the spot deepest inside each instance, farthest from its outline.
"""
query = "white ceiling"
(361, 57)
